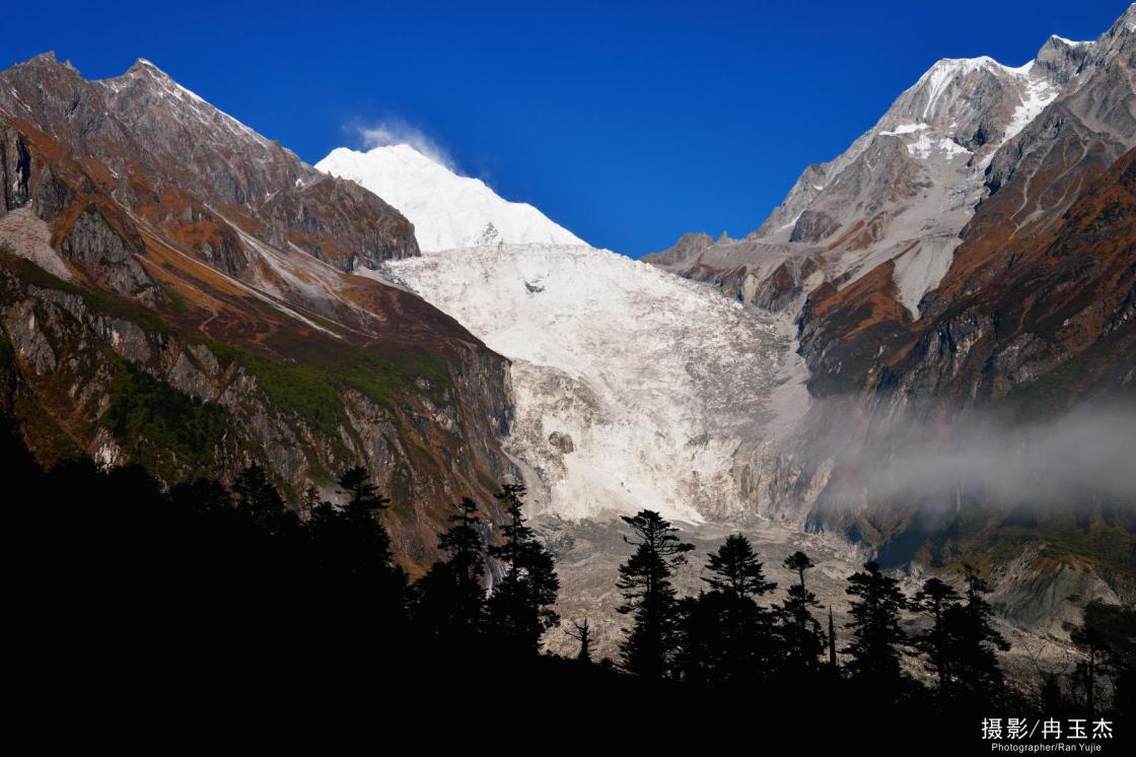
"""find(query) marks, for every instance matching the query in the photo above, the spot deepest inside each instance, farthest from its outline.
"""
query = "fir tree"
(1107, 636)
(520, 608)
(259, 500)
(368, 541)
(801, 632)
(450, 598)
(649, 596)
(361, 493)
(735, 570)
(936, 600)
(728, 636)
(876, 633)
(352, 548)
(974, 641)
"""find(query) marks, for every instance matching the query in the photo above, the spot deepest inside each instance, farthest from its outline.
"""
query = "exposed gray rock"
(96, 247)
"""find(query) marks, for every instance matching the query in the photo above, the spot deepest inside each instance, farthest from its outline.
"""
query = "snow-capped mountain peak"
(448, 210)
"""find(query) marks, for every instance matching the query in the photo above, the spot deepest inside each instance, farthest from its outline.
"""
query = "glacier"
(633, 388)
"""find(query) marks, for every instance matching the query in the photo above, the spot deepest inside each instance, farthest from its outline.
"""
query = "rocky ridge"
(197, 315)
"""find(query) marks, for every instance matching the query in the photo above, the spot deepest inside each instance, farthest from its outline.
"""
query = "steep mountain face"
(1043, 272)
(636, 388)
(967, 177)
(153, 138)
(197, 314)
(448, 210)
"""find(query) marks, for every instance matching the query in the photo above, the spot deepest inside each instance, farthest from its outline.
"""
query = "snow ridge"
(448, 211)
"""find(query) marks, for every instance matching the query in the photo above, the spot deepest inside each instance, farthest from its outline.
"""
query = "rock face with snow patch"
(866, 249)
(901, 192)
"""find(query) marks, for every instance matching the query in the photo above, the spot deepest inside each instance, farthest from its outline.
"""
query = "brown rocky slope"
(176, 290)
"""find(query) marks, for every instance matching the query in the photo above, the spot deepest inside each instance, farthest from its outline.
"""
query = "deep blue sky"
(627, 123)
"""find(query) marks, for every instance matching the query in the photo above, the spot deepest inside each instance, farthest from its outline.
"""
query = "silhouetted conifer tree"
(450, 598)
(803, 639)
(876, 634)
(649, 596)
(258, 498)
(728, 636)
(367, 540)
(1107, 636)
(936, 600)
(351, 550)
(520, 607)
(973, 641)
(700, 656)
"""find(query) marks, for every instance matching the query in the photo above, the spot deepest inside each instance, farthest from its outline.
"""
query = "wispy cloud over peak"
(396, 131)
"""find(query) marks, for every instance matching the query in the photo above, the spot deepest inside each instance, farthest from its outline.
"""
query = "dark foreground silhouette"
(135, 605)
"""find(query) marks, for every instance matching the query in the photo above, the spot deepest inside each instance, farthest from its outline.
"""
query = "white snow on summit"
(447, 210)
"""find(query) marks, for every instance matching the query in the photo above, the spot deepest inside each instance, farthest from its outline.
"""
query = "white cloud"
(396, 131)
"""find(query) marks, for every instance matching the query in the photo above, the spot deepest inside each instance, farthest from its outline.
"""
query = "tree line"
(234, 568)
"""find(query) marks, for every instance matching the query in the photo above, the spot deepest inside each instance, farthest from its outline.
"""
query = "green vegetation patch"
(311, 389)
(1106, 544)
(149, 417)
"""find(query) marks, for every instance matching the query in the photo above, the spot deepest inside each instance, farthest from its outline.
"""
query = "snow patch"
(1038, 94)
(923, 147)
(1069, 42)
(905, 129)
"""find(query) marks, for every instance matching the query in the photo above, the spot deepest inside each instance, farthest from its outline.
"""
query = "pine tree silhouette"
(520, 607)
(727, 635)
(362, 538)
(800, 631)
(1107, 635)
(450, 599)
(876, 633)
(936, 600)
(258, 498)
(973, 641)
(649, 596)
(736, 571)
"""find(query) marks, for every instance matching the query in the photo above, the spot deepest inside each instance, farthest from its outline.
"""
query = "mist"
(1086, 455)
